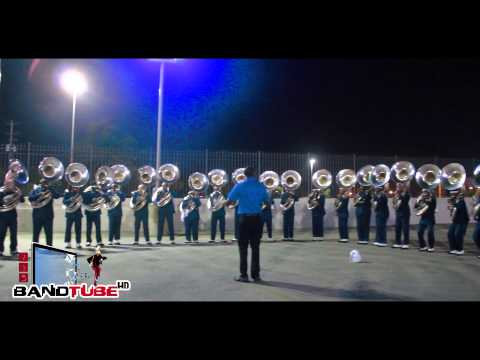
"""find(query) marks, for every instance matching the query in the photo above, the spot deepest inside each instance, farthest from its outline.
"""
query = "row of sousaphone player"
(106, 193)
(373, 192)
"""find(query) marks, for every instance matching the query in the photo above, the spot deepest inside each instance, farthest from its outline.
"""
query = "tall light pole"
(75, 84)
(160, 111)
(312, 163)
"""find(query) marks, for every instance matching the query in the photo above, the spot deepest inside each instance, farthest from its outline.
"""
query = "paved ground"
(299, 271)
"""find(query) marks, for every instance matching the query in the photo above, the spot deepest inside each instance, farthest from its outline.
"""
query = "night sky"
(369, 106)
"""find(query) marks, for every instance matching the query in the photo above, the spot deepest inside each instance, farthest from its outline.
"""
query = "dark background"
(335, 105)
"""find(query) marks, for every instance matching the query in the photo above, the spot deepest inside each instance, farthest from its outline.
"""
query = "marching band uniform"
(43, 217)
(8, 220)
(192, 219)
(402, 221)
(165, 213)
(93, 217)
(458, 227)
(381, 216)
(317, 217)
(427, 222)
(288, 215)
(363, 213)
(267, 215)
(217, 217)
(476, 232)
(141, 216)
(115, 216)
(72, 218)
(342, 213)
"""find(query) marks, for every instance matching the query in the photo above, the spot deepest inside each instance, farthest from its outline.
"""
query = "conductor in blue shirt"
(250, 194)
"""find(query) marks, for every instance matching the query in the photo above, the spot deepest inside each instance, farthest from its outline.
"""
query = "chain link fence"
(204, 161)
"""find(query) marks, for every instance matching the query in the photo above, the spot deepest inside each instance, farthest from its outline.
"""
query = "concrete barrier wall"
(302, 216)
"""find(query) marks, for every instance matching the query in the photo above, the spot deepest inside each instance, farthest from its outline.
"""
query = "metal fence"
(204, 161)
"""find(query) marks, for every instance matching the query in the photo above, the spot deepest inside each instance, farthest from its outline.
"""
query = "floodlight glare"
(73, 82)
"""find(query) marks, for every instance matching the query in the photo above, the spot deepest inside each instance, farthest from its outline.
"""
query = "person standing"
(288, 214)
(163, 198)
(458, 227)
(139, 203)
(72, 200)
(476, 217)
(115, 214)
(250, 194)
(318, 213)
(190, 216)
(218, 217)
(381, 217)
(427, 220)
(95, 261)
(341, 205)
(41, 199)
(93, 200)
(402, 217)
(362, 204)
(267, 215)
(8, 218)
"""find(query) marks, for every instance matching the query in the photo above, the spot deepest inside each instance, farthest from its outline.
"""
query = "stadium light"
(75, 84)
(160, 108)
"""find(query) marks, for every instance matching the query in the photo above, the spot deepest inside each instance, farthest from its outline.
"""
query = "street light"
(75, 84)
(160, 109)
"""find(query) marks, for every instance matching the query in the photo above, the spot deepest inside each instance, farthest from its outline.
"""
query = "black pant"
(476, 234)
(162, 216)
(93, 219)
(402, 225)
(267, 219)
(288, 224)
(317, 225)
(363, 226)
(114, 226)
(220, 219)
(426, 224)
(78, 229)
(250, 228)
(456, 235)
(8, 222)
(47, 225)
(191, 228)
(142, 220)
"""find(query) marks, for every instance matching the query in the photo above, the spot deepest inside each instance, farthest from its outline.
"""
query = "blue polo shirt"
(250, 195)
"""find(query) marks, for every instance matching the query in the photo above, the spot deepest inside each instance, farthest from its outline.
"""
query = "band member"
(362, 204)
(8, 218)
(267, 215)
(218, 217)
(72, 199)
(43, 214)
(289, 214)
(165, 213)
(115, 214)
(427, 220)
(139, 202)
(402, 216)
(318, 213)
(476, 217)
(460, 219)
(190, 216)
(95, 261)
(341, 204)
(93, 200)
(381, 216)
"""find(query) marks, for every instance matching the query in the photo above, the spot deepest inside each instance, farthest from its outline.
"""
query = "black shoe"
(242, 279)
(135, 243)
(13, 253)
(100, 244)
(257, 279)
